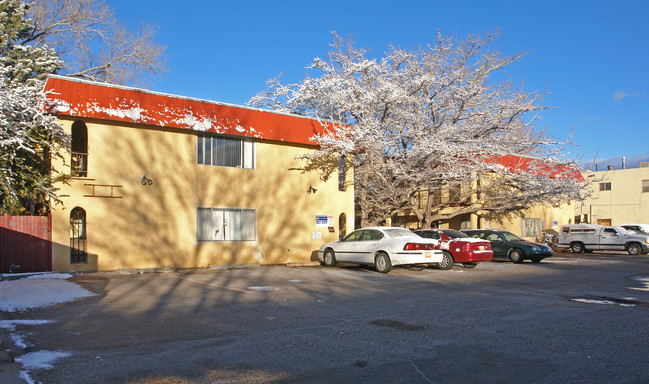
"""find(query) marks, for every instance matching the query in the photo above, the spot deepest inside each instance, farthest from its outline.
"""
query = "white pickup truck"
(592, 237)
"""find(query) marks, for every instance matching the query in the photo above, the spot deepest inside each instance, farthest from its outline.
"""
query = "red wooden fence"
(25, 244)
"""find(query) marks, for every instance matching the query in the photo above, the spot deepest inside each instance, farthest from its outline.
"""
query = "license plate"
(428, 254)
(481, 247)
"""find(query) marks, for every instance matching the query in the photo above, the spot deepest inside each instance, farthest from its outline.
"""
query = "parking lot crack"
(420, 373)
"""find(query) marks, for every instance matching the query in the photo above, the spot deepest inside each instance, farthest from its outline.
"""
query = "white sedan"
(381, 247)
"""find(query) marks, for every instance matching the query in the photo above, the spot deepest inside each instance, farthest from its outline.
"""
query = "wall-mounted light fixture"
(145, 180)
(311, 190)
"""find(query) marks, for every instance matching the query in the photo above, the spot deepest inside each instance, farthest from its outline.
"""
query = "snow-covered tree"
(423, 127)
(28, 136)
(93, 44)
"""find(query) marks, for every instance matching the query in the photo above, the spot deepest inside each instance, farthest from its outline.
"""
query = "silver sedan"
(381, 247)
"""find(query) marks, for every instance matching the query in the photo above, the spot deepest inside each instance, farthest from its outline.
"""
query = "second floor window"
(225, 152)
(604, 186)
(79, 150)
(342, 173)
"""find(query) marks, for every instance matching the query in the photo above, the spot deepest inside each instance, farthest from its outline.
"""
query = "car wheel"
(447, 261)
(577, 247)
(329, 258)
(382, 263)
(469, 265)
(536, 259)
(633, 249)
(516, 255)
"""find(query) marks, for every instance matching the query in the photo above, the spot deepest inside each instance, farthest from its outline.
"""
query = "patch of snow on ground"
(37, 291)
(261, 288)
(17, 337)
(593, 301)
(644, 281)
(62, 276)
(40, 359)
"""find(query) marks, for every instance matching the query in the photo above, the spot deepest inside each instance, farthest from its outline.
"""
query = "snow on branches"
(28, 136)
(421, 122)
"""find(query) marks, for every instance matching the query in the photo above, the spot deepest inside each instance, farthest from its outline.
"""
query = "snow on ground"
(30, 291)
(37, 291)
(17, 337)
(40, 359)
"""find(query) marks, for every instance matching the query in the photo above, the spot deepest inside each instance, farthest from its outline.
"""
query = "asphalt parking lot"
(570, 319)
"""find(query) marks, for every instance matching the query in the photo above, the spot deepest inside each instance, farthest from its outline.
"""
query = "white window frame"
(225, 224)
(531, 227)
(207, 154)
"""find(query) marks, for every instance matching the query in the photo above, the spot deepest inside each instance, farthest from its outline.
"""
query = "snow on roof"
(82, 98)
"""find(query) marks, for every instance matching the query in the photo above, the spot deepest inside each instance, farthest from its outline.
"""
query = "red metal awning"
(80, 98)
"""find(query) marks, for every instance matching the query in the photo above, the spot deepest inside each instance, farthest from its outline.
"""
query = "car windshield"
(453, 234)
(508, 236)
(399, 232)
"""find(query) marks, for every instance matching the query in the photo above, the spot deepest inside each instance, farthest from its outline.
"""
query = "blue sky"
(591, 57)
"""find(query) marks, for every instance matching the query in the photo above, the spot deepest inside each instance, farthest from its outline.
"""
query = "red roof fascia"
(514, 163)
(80, 98)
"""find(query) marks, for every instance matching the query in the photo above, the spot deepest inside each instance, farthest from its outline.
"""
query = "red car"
(458, 247)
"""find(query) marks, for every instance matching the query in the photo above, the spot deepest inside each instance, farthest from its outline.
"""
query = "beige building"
(529, 224)
(169, 181)
(619, 196)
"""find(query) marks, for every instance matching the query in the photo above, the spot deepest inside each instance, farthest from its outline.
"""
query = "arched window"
(78, 253)
(79, 148)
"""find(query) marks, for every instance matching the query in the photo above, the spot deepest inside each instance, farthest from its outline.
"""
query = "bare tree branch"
(94, 45)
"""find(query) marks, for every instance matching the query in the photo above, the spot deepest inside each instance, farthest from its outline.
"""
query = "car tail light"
(418, 246)
(477, 247)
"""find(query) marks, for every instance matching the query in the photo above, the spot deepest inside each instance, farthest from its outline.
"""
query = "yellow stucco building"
(168, 181)
(529, 223)
(619, 196)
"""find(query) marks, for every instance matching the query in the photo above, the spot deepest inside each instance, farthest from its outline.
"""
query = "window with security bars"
(78, 254)
(604, 186)
(219, 224)
(645, 186)
(225, 151)
(79, 150)
(530, 227)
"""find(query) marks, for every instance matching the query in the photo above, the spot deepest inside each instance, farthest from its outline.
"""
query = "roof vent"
(644, 164)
